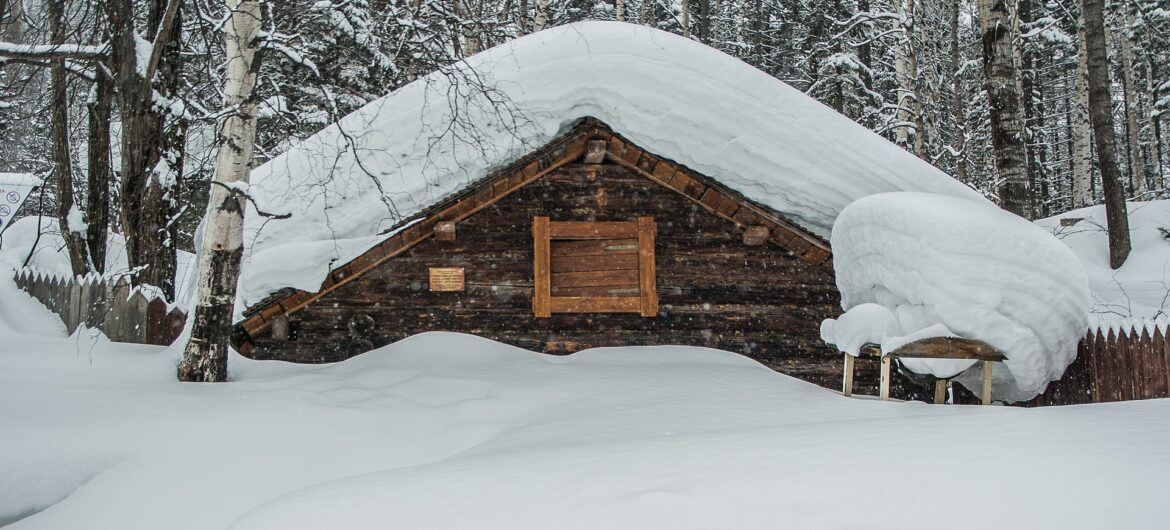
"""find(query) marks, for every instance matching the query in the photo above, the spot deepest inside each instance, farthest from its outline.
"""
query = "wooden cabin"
(588, 241)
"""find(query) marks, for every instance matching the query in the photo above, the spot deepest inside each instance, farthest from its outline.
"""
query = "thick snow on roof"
(946, 266)
(672, 96)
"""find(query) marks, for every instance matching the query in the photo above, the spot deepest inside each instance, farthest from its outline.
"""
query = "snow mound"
(451, 431)
(675, 97)
(979, 271)
(1140, 289)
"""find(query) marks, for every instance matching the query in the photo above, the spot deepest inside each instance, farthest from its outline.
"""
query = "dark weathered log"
(754, 236)
(595, 151)
(445, 231)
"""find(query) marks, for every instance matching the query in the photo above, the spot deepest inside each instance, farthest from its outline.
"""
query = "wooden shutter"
(594, 267)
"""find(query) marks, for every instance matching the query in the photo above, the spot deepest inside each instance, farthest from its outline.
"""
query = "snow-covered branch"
(52, 51)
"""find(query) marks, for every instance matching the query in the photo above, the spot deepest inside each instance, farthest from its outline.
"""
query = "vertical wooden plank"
(1094, 343)
(542, 287)
(847, 379)
(940, 391)
(884, 391)
(647, 282)
(1122, 374)
(1163, 358)
(73, 308)
(156, 313)
(987, 368)
(1145, 365)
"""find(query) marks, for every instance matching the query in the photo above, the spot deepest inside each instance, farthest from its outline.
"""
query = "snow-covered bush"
(948, 266)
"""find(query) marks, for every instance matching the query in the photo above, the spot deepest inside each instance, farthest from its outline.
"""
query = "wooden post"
(647, 281)
(542, 282)
(940, 391)
(595, 151)
(987, 382)
(754, 236)
(884, 394)
(445, 231)
(279, 327)
(847, 382)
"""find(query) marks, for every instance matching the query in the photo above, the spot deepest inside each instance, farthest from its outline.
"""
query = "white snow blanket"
(449, 431)
(670, 95)
(945, 266)
(1139, 289)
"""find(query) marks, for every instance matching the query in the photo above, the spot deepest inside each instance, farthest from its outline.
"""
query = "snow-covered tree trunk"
(1001, 79)
(1082, 133)
(1137, 166)
(902, 71)
(541, 20)
(146, 194)
(913, 83)
(205, 356)
(69, 217)
(960, 114)
(1101, 116)
(97, 201)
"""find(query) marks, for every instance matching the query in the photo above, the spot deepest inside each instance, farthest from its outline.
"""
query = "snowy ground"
(451, 431)
(1141, 287)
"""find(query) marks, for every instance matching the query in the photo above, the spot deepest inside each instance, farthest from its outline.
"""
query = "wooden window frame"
(544, 232)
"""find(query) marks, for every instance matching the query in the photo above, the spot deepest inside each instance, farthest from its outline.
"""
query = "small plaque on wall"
(446, 278)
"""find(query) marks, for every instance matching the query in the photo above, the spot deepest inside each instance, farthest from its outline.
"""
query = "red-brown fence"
(124, 313)
(1127, 360)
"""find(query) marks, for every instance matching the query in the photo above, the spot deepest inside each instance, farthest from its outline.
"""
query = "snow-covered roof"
(672, 96)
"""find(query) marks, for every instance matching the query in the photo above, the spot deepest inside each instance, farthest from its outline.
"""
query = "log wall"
(762, 301)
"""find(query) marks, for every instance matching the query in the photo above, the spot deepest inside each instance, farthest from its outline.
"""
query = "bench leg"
(847, 382)
(940, 391)
(885, 387)
(986, 382)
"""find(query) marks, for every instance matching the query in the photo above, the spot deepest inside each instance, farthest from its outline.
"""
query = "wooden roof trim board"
(721, 201)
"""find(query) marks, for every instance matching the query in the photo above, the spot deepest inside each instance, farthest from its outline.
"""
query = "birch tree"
(205, 356)
(1129, 91)
(1082, 133)
(1101, 115)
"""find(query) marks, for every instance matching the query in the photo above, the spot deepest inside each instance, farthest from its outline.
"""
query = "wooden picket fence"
(1125, 360)
(123, 312)
(1129, 360)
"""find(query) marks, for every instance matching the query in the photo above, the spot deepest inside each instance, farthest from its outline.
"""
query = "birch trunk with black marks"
(205, 356)
(1001, 79)
(540, 21)
(960, 140)
(902, 71)
(1101, 116)
(68, 216)
(1082, 132)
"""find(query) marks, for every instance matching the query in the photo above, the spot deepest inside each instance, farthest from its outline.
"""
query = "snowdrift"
(943, 266)
(1140, 289)
(677, 98)
(451, 431)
